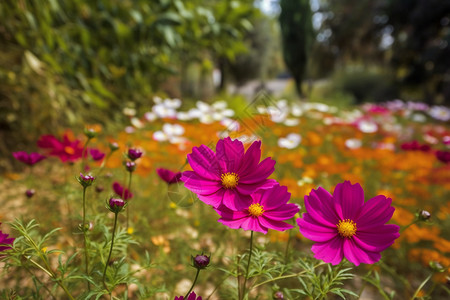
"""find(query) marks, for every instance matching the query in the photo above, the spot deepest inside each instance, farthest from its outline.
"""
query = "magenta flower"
(443, 156)
(228, 177)
(168, 176)
(192, 296)
(29, 159)
(121, 191)
(116, 205)
(66, 149)
(343, 225)
(134, 154)
(268, 209)
(96, 154)
(4, 241)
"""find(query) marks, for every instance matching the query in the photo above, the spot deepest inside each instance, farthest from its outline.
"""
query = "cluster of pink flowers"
(235, 183)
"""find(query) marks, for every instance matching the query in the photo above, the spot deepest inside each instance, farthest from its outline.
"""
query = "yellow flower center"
(256, 210)
(69, 150)
(229, 180)
(346, 228)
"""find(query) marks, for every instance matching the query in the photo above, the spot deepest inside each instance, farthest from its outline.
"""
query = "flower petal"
(381, 238)
(248, 189)
(283, 213)
(273, 224)
(199, 185)
(235, 201)
(251, 159)
(319, 204)
(357, 255)
(204, 162)
(315, 232)
(261, 172)
(329, 252)
(349, 199)
(274, 197)
(375, 212)
(230, 154)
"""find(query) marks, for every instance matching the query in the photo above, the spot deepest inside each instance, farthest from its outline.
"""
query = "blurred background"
(69, 63)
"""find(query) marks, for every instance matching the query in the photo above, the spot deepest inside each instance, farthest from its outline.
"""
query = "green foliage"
(365, 84)
(75, 62)
(297, 37)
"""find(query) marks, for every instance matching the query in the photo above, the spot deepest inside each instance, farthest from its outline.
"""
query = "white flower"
(441, 113)
(163, 111)
(130, 129)
(353, 143)
(220, 105)
(296, 110)
(170, 132)
(183, 116)
(150, 116)
(367, 126)
(136, 122)
(291, 141)
(420, 118)
(172, 103)
(230, 124)
(129, 112)
(291, 122)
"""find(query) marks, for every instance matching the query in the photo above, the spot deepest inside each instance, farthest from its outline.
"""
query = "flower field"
(211, 200)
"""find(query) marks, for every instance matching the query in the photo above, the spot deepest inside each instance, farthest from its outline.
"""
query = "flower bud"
(134, 154)
(200, 261)
(436, 266)
(30, 193)
(130, 166)
(424, 215)
(278, 295)
(90, 133)
(113, 146)
(85, 180)
(115, 205)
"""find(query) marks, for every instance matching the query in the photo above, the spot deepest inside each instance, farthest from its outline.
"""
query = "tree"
(297, 37)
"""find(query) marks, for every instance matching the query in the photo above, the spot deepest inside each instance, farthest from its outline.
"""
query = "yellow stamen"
(346, 228)
(69, 150)
(256, 210)
(229, 180)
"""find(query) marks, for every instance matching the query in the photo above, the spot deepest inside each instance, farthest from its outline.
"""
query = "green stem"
(192, 286)
(40, 282)
(421, 286)
(129, 192)
(248, 265)
(52, 275)
(83, 153)
(102, 166)
(110, 251)
(286, 252)
(286, 276)
(86, 256)
(407, 226)
(217, 286)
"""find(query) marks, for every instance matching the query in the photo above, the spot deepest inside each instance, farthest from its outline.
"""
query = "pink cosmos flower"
(343, 225)
(168, 176)
(29, 159)
(122, 192)
(443, 156)
(4, 241)
(268, 209)
(229, 176)
(192, 296)
(96, 154)
(66, 149)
